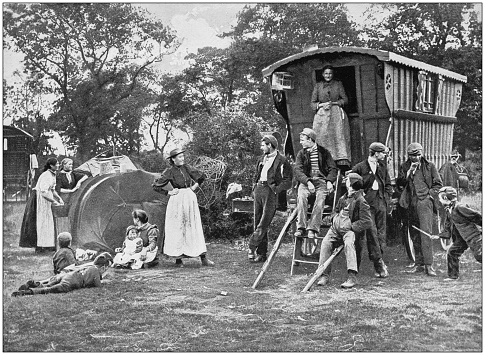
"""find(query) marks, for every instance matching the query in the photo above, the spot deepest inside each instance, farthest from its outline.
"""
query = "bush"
(473, 165)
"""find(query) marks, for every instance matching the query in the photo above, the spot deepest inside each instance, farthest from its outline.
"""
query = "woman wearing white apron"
(330, 122)
(46, 197)
(184, 236)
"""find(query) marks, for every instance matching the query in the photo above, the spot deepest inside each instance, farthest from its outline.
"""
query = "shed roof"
(384, 56)
(9, 131)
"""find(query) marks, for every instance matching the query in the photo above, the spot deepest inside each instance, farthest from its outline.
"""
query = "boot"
(429, 270)
(415, 269)
(351, 280)
(381, 269)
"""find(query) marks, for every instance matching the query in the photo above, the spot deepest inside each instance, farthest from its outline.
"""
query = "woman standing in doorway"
(184, 236)
(330, 121)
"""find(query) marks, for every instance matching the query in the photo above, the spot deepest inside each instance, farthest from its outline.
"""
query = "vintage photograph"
(242, 177)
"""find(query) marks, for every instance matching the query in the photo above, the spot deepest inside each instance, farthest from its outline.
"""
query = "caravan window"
(425, 92)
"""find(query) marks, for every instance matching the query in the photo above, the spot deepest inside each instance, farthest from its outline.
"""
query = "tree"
(99, 50)
(24, 106)
(266, 33)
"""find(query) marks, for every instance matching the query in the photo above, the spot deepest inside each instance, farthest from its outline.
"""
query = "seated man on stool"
(316, 172)
(352, 217)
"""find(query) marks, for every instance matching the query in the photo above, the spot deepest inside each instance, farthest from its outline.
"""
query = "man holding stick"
(421, 182)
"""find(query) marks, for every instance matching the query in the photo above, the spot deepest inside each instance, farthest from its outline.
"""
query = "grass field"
(196, 309)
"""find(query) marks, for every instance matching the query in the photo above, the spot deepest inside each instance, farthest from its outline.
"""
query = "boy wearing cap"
(315, 170)
(461, 226)
(65, 282)
(273, 175)
(377, 191)
(65, 256)
(352, 217)
(421, 182)
(448, 171)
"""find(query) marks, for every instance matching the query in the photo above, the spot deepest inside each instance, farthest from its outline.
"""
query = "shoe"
(311, 234)
(416, 269)
(411, 265)
(259, 259)
(251, 254)
(22, 293)
(207, 262)
(451, 278)
(299, 233)
(323, 281)
(429, 270)
(381, 269)
(351, 281)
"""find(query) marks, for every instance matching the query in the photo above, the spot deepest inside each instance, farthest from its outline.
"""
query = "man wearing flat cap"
(273, 175)
(449, 170)
(315, 170)
(377, 191)
(421, 182)
(351, 218)
(461, 223)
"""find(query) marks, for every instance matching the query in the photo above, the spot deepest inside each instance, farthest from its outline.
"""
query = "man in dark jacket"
(461, 226)
(421, 182)
(449, 171)
(273, 175)
(377, 191)
(316, 172)
(352, 216)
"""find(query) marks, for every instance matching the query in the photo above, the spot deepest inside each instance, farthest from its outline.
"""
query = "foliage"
(88, 54)
(473, 166)
(24, 107)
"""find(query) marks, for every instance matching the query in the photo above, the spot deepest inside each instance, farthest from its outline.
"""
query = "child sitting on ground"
(65, 256)
(130, 255)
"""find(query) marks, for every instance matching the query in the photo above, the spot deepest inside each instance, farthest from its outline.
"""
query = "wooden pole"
(276, 246)
(322, 268)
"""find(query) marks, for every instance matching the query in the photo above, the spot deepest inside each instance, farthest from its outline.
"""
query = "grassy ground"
(215, 309)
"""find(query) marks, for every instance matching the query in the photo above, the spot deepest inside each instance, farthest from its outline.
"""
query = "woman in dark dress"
(184, 236)
(331, 122)
(68, 181)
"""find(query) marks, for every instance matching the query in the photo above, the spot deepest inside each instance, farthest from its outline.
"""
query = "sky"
(197, 24)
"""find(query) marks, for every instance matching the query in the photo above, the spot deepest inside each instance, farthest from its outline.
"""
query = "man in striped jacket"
(316, 172)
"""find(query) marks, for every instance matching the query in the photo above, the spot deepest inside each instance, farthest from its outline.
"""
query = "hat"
(455, 153)
(64, 237)
(269, 138)
(175, 152)
(377, 147)
(129, 228)
(309, 133)
(449, 191)
(415, 148)
(353, 177)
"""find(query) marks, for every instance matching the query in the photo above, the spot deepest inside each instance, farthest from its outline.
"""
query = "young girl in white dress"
(129, 254)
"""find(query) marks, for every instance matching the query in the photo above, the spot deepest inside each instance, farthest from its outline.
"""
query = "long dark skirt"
(28, 230)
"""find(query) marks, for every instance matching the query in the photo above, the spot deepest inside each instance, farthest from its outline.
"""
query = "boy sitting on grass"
(65, 256)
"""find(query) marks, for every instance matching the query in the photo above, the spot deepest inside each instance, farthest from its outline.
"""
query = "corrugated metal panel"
(384, 56)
